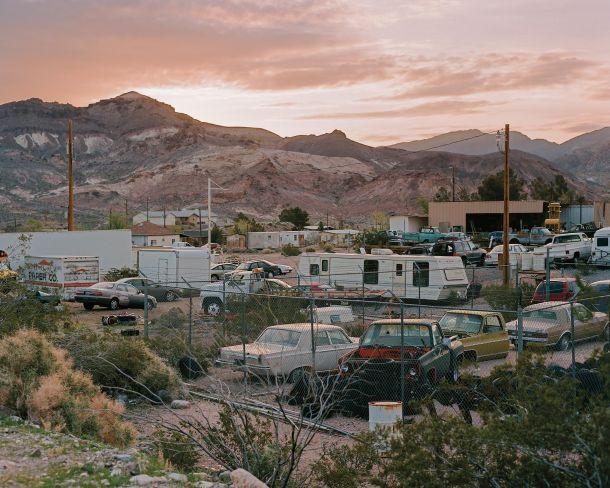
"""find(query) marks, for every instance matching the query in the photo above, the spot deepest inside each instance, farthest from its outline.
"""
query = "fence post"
(472, 294)
(190, 319)
(548, 274)
(313, 340)
(145, 308)
(402, 358)
(418, 290)
(519, 329)
(572, 337)
(242, 319)
(224, 307)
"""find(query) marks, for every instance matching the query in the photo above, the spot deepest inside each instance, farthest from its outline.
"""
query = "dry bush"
(173, 318)
(123, 364)
(38, 382)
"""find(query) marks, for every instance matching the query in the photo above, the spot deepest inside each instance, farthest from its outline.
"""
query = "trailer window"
(421, 273)
(602, 242)
(325, 265)
(371, 272)
(314, 269)
(398, 269)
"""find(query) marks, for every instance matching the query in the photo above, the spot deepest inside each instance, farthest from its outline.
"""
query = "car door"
(441, 361)
(494, 339)
(134, 296)
(154, 289)
(123, 295)
(585, 324)
(326, 354)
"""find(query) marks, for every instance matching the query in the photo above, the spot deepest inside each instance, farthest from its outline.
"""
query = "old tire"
(170, 296)
(190, 368)
(453, 375)
(88, 306)
(214, 278)
(270, 274)
(114, 304)
(151, 304)
(564, 342)
(212, 306)
(295, 375)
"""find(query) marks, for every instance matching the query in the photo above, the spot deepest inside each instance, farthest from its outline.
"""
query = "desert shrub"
(310, 249)
(39, 383)
(19, 309)
(327, 247)
(177, 448)
(115, 274)
(120, 363)
(173, 318)
(290, 250)
(506, 298)
(172, 346)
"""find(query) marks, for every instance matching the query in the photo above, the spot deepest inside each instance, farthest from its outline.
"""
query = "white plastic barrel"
(527, 261)
(539, 261)
(384, 414)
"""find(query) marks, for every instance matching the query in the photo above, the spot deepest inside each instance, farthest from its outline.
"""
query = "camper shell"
(410, 277)
(600, 247)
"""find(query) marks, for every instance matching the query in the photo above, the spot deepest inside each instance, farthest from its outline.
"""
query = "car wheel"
(295, 375)
(170, 296)
(214, 278)
(564, 343)
(212, 306)
(270, 274)
(114, 304)
(151, 304)
(453, 375)
(88, 306)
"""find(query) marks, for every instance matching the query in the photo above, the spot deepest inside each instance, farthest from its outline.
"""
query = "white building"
(277, 239)
(339, 237)
(148, 234)
(405, 223)
(186, 217)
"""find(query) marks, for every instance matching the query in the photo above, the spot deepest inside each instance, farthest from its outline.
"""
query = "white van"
(600, 249)
(413, 277)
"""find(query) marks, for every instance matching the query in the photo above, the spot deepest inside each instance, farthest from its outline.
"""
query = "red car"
(560, 290)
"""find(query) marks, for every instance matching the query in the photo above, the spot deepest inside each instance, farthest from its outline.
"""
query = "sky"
(381, 71)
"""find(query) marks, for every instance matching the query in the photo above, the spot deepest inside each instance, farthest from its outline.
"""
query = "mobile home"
(600, 248)
(412, 277)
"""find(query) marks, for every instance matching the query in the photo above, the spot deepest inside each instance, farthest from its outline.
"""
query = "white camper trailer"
(175, 266)
(600, 248)
(413, 277)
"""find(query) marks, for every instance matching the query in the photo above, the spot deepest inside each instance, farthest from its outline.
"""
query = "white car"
(284, 268)
(491, 258)
(286, 350)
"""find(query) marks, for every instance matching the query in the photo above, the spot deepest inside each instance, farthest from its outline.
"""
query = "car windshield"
(461, 322)
(104, 285)
(280, 337)
(388, 335)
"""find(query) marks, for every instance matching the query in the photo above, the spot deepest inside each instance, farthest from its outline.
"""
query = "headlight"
(413, 372)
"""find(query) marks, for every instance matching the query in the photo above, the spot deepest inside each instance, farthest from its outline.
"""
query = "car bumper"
(238, 365)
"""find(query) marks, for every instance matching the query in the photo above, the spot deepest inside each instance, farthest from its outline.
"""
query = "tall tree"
(442, 195)
(492, 187)
(555, 190)
(296, 216)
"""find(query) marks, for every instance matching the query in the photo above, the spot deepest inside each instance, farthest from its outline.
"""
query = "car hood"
(256, 348)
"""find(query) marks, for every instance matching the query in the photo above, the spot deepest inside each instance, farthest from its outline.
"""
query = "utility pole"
(164, 217)
(210, 215)
(126, 213)
(452, 184)
(200, 230)
(70, 178)
(147, 219)
(505, 249)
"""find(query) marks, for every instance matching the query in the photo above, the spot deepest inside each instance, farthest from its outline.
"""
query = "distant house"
(339, 237)
(184, 218)
(276, 239)
(149, 234)
(155, 217)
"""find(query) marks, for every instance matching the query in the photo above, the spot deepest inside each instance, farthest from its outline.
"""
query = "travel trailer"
(600, 248)
(412, 277)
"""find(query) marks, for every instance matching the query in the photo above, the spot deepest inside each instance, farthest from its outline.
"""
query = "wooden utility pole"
(126, 213)
(70, 178)
(505, 250)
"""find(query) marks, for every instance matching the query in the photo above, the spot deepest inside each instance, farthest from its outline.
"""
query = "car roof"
(304, 327)
(482, 313)
(546, 305)
(406, 322)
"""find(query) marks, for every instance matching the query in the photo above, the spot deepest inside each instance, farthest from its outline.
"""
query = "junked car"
(112, 295)
(163, 293)
(285, 351)
(492, 257)
(218, 271)
(483, 333)
(373, 371)
(549, 324)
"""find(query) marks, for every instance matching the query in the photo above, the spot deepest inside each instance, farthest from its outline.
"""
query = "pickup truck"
(425, 234)
(569, 247)
(213, 295)
(536, 236)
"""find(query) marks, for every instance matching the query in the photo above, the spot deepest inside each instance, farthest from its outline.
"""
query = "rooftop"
(150, 229)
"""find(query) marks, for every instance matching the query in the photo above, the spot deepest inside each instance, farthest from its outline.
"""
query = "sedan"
(493, 256)
(286, 350)
(113, 296)
(284, 268)
(163, 293)
(268, 268)
(218, 271)
(550, 324)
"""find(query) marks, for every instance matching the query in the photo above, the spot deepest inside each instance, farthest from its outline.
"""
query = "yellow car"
(482, 333)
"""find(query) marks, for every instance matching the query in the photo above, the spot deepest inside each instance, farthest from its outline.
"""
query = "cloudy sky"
(382, 71)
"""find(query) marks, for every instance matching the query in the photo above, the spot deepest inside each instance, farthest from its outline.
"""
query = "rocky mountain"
(587, 154)
(133, 148)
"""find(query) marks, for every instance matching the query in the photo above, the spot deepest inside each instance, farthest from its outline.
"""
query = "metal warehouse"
(478, 216)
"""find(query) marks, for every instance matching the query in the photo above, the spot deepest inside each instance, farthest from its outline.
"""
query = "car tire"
(270, 274)
(564, 342)
(606, 333)
(151, 304)
(212, 306)
(88, 306)
(114, 304)
(170, 296)
(453, 375)
(214, 278)
(295, 375)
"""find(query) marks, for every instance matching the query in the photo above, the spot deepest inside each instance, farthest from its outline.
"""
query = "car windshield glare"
(461, 322)
(388, 335)
(280, 337)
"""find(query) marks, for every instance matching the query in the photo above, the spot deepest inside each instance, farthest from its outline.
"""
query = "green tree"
(244, 224)
(217, 235)
(463, 195)
(320, 226)
(117, 221)
(422, 202)
(555, 190)
(32, 225)
(442, 195)
(296, 216)
(492, 187)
